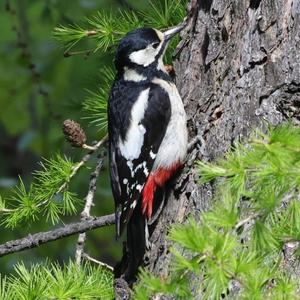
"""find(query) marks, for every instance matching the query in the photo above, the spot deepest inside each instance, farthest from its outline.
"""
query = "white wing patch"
(130, 166)
(139, 188)
(152, 155)
(146, 171)
(132, 145)
(133, 204)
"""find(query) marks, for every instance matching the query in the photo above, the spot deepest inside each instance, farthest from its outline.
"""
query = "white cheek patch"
(132, 145)
(145, 57)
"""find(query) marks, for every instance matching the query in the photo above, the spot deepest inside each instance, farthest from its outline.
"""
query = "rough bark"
(238, 67)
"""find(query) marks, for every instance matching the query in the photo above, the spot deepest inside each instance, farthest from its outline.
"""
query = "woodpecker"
(147, 134)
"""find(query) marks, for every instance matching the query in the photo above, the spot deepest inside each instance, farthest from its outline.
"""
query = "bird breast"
(173, 148)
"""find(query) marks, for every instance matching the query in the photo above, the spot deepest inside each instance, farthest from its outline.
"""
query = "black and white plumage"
(147, 133)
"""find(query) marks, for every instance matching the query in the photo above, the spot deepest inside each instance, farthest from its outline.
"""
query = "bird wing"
(136, 129)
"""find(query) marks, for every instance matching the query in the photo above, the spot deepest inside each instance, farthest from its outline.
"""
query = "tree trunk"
(239, 66)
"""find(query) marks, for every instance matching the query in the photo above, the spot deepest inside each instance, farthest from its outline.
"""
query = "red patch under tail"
(156, 178)
(148, 195)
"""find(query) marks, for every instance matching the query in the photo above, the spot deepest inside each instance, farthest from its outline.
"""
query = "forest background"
(228, 48)
(39, 89)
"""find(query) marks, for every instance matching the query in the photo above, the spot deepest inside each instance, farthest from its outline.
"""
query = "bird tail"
(138, 232)
(136, 243)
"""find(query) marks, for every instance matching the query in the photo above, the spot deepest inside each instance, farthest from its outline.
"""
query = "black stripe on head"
(133, 41)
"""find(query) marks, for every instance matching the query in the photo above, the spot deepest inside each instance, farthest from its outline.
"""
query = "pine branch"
(100, 263)
(86, 53)
(34, 240)
(106, 29)
(95, 105)
(85, 215)
(50, 183)
(83, 161)
(246, 220)
(257, 183)
(57, 281)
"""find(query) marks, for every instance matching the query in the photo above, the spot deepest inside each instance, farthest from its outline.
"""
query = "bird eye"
(155, 45)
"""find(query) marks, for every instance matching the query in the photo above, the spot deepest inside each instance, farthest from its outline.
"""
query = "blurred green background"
(39, 88)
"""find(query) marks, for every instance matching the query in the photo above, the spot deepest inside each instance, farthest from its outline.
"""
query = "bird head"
(143, 48)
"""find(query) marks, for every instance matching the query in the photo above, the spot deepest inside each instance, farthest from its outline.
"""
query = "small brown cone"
(74, 134)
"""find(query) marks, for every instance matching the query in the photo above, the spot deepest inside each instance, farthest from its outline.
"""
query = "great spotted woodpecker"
(147, 133)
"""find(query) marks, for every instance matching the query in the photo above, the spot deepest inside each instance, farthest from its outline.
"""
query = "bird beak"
(173, 31)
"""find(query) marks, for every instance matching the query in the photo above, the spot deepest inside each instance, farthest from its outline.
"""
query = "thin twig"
(82, 162)
(91, 32)
(40, 238)
(6, 210)
(86, 53)
(88, 147)
(288, 239)
(85, 215)
(246, 220)
(73, 173)
(92, 189)
(100, 263)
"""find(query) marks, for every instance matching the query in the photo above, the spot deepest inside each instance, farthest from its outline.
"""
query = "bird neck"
(138, 73)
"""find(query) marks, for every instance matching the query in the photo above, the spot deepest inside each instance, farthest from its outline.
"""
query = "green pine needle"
(107, 28)
(2, 205)
(70, 35)
(95, 107)
(48, 195)
(6, 291)
(185, 234)
(111, 27)
(240, 240)
(285, 288)
(164, 14)
(51, 281)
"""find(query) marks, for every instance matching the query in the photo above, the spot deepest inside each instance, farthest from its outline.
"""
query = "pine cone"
(74, 134)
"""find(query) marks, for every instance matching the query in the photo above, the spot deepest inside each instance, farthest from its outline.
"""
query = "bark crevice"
(238, 67)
